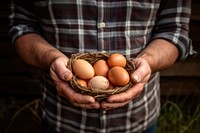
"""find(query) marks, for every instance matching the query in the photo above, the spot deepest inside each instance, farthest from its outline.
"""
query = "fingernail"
(136, 77)
(67, 76)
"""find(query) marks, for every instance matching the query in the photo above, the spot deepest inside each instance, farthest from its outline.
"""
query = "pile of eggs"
(103, 74)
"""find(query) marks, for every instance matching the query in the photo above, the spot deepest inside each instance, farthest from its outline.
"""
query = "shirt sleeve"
(173, 25)
(22, 19)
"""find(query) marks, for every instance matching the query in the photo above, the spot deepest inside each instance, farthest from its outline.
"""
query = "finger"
(59, 67)
(94, 105)
(82, 99)
(67, 75)
(142, 70)
(75, 97)
(128, 95)
(107, 106)
(62, 72)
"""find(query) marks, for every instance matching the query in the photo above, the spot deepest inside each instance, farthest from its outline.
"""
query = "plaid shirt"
(123, 26)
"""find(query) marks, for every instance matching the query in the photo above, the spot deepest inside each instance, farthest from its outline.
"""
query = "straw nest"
(98, 94)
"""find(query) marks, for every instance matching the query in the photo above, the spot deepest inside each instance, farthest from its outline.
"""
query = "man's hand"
(158, 55)
(139, 78)
(61, 75)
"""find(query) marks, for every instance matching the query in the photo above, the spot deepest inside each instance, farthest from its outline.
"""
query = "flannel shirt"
(123, 26)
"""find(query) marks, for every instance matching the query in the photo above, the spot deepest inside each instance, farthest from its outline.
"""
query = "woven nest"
(98, 94)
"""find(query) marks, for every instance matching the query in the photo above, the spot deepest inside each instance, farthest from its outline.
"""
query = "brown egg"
(83, 69)
(101, 68)
(116, 60)
(82, 82)
(118, 76)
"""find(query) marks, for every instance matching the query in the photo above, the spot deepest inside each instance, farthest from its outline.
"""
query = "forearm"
(34, 50)
(160, 54)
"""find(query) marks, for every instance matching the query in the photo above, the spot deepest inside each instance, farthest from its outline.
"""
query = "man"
(154, 32)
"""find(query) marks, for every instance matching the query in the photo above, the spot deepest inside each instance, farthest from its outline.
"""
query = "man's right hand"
(61, 76)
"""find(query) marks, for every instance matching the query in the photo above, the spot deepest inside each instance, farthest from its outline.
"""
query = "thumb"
(59, 67)
(67, 75)
(142, 71)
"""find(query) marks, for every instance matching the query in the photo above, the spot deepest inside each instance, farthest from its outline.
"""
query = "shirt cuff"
(183, 44)
(20, 30)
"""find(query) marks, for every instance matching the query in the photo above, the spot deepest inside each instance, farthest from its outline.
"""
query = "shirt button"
(102, 24)
(104, 112)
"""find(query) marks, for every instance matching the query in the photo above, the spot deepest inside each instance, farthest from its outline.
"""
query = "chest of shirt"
(131, 13)
(103, 25)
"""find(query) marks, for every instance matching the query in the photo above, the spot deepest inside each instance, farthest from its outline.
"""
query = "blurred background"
(20, 90)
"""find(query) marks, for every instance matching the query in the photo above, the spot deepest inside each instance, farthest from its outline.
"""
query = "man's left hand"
(139, 78)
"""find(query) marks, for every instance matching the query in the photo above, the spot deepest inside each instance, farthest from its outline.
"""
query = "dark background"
(19, 83)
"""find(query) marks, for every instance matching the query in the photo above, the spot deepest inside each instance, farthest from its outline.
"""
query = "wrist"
(160, 54)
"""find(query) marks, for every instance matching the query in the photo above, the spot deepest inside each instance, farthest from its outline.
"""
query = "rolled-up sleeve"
(22, 19)
(173, 25)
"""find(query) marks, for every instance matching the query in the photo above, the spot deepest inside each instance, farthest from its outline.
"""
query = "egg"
(118, 76)
(82, 82)
(83, 69)
(101, 68)
(98, 82)
(116, 60)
